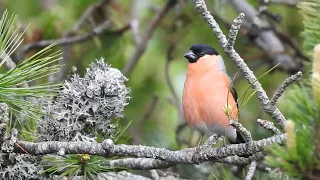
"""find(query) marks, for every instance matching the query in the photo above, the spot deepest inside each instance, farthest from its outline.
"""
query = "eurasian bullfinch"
(207, 89)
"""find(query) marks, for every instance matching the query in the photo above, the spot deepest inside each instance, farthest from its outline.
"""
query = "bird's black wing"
(239, 139)
(234, 94)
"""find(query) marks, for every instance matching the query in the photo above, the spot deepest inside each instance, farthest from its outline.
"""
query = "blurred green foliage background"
(179, 29)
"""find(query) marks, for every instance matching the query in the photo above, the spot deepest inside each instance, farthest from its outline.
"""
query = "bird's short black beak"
(190, 56)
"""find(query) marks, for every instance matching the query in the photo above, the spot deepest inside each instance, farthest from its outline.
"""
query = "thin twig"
(269, 126)
(100, 29)
(234, 31)
(292, 3)
(284, 86)
(87, 13)
(134, 25)
(179, 138)
(170, 50)
(150, 110)
(141, 47)
(252, 169)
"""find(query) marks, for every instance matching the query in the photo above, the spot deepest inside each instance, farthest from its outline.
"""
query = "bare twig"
(179, 138)
(100, 29)
(134, 25)
(252, 169)
(87, 13)
(269, 126)
(273, 111)
(293, 44)
(137, 132)
(141, 47)
(170, 49)
(265, 37)
(284, 86)
(150, 110)
(67, 48)
(285, 2)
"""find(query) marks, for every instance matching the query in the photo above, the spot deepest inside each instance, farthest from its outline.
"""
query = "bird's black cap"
(199, 50)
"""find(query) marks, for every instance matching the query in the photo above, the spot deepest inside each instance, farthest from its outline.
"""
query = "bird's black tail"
(239, 139)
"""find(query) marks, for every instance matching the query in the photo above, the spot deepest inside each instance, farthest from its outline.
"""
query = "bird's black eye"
(202, 54)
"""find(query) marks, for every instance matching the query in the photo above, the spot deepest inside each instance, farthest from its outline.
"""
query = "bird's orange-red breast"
(207, 90)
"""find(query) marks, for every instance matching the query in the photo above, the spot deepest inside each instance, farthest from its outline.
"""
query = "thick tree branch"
(149, 163)
(139, 163)
(273, 111)
(108, 149)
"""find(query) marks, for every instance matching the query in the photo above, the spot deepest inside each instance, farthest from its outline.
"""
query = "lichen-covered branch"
(252, 169)
(139, 163)
(108, 149)
(234, 30)
(284, 86)
(269, 126)
(212, 140)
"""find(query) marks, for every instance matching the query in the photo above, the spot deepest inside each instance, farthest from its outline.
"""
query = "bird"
(207, 91)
